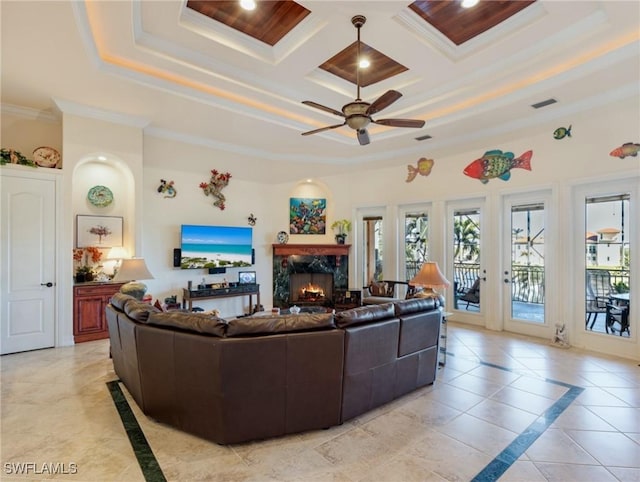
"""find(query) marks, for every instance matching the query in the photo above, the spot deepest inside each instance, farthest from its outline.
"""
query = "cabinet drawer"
(97, 290)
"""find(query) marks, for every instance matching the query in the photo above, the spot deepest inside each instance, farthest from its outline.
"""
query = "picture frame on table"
(99, 231)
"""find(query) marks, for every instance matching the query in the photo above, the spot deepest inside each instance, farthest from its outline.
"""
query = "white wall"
(154, 222)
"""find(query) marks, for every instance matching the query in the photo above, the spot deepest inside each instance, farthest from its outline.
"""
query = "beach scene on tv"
(215, 246)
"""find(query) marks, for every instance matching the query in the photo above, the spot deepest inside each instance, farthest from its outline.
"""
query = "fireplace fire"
(311, 293)
(311, 288)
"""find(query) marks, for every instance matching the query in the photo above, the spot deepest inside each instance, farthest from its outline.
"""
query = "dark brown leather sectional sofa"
(265, 376)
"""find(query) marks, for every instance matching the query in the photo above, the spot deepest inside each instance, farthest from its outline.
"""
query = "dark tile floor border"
(493, 471)
(505, 459)
(148, 463)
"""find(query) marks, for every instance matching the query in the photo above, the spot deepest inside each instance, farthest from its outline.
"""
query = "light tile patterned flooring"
(566, 414)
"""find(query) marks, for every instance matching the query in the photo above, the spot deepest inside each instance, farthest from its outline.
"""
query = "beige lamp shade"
(133, 270)
(430, 277)
(117, 252)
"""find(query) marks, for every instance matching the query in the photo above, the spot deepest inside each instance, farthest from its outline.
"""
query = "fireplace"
(309, 274)
(311, 288)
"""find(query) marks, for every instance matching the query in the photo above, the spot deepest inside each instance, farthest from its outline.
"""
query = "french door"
(606, 265)
(465, 266)
(528, 249)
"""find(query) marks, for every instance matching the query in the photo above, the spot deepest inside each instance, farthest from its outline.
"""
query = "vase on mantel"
(341, 238)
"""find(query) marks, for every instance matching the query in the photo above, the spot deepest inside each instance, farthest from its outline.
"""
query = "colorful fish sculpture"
(562, 132)
(626, 149)
(423, 168)
(497, 164)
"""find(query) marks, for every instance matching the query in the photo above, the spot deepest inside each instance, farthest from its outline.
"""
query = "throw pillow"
(379, 289)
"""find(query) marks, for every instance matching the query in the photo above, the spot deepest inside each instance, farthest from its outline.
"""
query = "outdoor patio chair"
(472, 296)
(598, 289)
(617, 314)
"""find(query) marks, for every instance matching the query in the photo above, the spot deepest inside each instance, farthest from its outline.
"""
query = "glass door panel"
(373, 248)
(607, 264)
(527, 277)
(416, 242)
(466, 259)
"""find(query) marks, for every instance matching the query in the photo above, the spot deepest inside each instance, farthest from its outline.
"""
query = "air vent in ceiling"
(544, 103)
(423, 138)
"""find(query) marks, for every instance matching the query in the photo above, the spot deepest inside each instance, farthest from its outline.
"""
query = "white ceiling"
(183, 76)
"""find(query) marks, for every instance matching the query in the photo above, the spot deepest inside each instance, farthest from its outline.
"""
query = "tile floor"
(504, 406)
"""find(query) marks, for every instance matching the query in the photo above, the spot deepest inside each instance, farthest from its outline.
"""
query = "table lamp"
(429, 277)
(117, 254)
(133, 270)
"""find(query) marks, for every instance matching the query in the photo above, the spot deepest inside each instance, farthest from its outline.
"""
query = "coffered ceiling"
(211, 74)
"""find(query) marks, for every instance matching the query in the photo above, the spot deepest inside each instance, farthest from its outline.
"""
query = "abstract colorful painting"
(307, 216)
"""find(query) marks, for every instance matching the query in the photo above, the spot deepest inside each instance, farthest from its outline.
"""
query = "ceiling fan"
(357, 114)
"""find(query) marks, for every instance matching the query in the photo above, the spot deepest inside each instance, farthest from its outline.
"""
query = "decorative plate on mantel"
(282, 237)
(100, 196)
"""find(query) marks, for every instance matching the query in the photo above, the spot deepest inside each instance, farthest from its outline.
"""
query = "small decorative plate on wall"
(46, 157)
(282, 237)
(100, 196)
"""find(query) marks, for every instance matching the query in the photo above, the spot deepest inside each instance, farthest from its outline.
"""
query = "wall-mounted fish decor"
(497, 164)
(423, 168)
(562, 132)
(626, 149)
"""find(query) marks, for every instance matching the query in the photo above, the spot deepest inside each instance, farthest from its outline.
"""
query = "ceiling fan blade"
(322, 107)
(363, 137)
(322, 129)
(400, 122)
(384, 101)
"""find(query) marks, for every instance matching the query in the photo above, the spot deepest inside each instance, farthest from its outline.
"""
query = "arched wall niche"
(105, 169)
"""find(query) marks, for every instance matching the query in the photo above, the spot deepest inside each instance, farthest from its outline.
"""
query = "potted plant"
(341, 227)
(84, 273)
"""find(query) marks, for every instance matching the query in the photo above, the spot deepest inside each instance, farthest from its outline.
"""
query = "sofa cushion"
(413, 305)
(118, 300)
(196, 322)
(364, 314)
(264, 325)
(138, 310)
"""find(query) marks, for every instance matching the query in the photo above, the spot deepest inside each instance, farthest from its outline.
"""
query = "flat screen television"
(215, 246)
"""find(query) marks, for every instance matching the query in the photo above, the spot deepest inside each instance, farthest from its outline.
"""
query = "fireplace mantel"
(311, 249)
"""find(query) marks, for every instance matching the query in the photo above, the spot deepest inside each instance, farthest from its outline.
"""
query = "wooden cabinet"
(89, 303)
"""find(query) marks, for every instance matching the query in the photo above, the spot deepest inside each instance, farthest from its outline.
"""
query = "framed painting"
(98, 231)
(307, 216)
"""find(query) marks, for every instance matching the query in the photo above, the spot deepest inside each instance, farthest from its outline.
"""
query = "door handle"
(48, 285)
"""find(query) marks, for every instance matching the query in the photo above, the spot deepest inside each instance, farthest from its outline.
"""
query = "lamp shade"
(133, 269)
(430, 276)
(117, 252)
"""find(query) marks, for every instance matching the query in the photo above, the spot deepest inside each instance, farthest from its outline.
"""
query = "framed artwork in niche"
(98, 231)
(307, 215)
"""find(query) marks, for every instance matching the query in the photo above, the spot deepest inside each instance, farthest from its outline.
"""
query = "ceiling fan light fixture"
(364, 63)
(357, 114)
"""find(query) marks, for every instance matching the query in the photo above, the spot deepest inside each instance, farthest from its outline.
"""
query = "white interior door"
(27, 293)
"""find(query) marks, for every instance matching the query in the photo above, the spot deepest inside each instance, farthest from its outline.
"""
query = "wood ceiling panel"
(461, 24)
(269, 22)
(344, 65)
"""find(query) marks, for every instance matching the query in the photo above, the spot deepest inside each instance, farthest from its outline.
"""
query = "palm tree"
(466, 234)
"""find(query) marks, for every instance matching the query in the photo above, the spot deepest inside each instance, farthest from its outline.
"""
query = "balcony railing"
(527, 282)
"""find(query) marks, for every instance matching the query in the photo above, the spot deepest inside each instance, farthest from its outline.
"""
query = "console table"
(188, 296)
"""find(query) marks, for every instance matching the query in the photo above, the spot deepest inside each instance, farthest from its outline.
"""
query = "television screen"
(215, 246)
